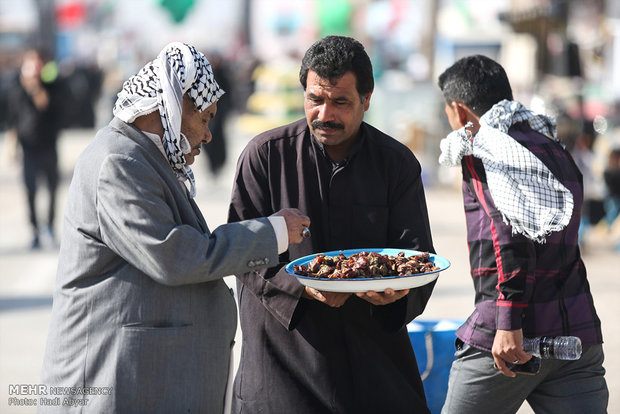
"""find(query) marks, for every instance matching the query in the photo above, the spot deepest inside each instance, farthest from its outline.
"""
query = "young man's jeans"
(562, 387)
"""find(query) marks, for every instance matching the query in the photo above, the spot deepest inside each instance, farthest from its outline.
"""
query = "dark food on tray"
(365, 265)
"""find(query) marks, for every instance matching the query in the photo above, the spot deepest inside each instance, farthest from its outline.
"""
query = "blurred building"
(563, 56)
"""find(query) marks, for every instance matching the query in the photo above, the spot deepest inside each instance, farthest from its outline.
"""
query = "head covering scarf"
(160, 85)
(527, 194)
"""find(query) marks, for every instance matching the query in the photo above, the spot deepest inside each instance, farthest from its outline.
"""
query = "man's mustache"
(321, 124)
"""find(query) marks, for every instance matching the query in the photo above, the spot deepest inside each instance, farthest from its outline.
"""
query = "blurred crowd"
(600, 166)
(409, 42)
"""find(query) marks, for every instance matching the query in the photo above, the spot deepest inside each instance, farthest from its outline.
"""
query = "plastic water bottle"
(559, 347)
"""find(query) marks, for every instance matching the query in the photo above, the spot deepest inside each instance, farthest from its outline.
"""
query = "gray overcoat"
(142, 320)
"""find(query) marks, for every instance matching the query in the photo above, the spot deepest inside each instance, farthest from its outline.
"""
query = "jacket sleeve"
(139, 222)
(511, 257)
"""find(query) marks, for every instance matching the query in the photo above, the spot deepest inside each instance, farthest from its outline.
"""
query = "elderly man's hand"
(296, 221)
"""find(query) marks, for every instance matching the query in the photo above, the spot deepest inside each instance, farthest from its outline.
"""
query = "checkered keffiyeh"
(531, 200)
(160, 85)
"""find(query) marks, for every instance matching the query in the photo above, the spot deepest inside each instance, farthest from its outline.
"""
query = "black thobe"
(302, 355)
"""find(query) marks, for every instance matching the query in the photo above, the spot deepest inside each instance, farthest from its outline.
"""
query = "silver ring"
(516, 361)
(305, 233)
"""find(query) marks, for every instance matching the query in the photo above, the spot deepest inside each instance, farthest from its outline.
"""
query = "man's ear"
(366, 100)
(461, 112)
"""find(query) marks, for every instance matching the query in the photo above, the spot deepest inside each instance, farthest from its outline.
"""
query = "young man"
(34, 117)
(141, 314)
(522, 194)
(323, 352)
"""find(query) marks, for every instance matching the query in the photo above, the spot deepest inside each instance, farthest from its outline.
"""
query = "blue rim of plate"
(440, 262)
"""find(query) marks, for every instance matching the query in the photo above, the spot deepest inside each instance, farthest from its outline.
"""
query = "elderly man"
(142, 319)
(325, 352)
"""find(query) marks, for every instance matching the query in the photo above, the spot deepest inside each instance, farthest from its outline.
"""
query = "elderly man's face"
(195, 126)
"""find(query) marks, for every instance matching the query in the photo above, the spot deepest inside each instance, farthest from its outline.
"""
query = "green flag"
(177, 8)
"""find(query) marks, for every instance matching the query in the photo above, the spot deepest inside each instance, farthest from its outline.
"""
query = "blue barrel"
(433, 344)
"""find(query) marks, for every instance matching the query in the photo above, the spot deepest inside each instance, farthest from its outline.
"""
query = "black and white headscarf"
(529, 197)
(160, 85)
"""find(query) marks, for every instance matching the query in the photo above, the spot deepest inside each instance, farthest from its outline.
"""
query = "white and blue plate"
(378, 284)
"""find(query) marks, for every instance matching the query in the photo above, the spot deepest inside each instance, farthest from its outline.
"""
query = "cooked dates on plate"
(365, 265)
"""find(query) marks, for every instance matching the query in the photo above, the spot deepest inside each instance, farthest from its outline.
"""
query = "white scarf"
(531, 200)
(160, 85)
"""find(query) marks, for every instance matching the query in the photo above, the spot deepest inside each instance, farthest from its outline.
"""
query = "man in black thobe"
(307, 351)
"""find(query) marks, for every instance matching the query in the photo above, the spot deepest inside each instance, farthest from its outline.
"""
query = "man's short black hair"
(333, 56)
(476, 81)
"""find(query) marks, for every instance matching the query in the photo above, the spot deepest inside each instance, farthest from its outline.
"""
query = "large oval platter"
(365, 284)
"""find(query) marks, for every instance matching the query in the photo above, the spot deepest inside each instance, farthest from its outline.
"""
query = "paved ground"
(27, 278)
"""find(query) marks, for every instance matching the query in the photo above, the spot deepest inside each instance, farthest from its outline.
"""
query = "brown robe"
(303, 355)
